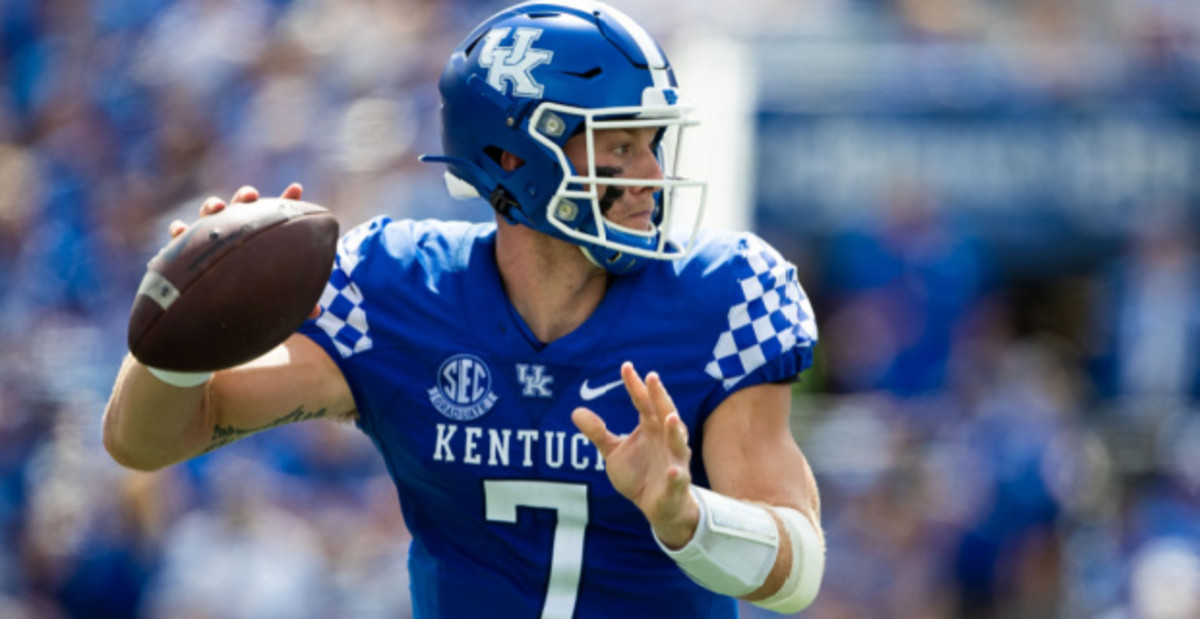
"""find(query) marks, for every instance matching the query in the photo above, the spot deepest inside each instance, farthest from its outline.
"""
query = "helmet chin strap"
(617, 266)
(590, 258)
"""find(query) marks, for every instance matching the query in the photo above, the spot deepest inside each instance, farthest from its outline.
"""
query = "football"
(233, 286)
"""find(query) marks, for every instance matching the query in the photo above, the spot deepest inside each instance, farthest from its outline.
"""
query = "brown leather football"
(233, 286)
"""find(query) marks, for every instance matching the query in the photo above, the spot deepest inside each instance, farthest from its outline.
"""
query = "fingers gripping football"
(233, 284)
(246, 193)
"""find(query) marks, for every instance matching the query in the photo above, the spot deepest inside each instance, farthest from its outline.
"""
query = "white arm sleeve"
(735, 546)
(182, 380)
(808, 565)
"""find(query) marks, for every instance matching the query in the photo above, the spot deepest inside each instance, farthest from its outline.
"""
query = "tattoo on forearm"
(224, 435)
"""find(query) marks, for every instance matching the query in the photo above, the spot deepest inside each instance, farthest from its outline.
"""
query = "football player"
(584, 416)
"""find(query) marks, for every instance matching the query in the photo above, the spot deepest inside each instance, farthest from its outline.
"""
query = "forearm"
(149, 424)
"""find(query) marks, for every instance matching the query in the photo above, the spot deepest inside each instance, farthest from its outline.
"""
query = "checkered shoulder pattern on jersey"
(343, 317)
(770, 328)
(378, 266)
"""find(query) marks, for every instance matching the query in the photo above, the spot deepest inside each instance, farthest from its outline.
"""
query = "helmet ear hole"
(495, 153)
(505, 159)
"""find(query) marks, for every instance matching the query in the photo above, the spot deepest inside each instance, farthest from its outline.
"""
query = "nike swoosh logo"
(591, 393)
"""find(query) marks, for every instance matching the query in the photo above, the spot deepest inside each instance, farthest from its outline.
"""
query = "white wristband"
(734, 547)
(180, 379)
(808, 565)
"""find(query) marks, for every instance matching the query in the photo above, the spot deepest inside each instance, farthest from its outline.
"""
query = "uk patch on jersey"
(773, 317)
(342, 315)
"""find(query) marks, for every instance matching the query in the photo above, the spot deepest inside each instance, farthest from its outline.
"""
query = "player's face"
(622, 153)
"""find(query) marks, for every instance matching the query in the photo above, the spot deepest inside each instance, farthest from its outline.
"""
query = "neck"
(549, 281)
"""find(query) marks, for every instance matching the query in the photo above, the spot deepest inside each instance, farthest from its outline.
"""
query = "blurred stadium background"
(993, 205)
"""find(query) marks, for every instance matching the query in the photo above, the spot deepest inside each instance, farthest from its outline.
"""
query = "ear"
(510, 162)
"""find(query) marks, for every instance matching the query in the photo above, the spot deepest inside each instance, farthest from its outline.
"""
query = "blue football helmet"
(531, 77)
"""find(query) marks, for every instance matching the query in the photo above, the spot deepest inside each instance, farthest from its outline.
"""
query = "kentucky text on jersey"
(557, 449)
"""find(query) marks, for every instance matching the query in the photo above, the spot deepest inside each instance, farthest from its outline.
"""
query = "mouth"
(641, 220)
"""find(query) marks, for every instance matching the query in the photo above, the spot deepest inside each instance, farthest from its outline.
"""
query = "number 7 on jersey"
(503, 497)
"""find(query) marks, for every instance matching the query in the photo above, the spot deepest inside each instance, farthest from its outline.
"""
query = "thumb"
(593, 427)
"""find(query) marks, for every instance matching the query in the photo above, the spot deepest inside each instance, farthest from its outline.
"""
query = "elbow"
(122, 452)
(147, 428)
(129, 458)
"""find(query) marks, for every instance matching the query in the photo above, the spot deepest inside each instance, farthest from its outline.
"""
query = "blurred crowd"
(987, 444)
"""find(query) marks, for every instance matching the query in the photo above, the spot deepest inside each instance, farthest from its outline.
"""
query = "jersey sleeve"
(770, 329)
(343, 327)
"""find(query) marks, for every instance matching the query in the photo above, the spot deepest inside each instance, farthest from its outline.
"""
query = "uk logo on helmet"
(514, 64)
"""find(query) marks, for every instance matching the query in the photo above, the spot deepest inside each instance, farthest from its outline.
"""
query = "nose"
(646, 166)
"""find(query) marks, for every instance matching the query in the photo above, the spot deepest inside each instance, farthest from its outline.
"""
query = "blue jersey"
(511, 511)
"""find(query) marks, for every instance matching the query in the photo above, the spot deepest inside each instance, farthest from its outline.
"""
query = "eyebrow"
(627, 132)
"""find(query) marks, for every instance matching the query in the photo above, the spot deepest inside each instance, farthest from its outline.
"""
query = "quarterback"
(584, 415)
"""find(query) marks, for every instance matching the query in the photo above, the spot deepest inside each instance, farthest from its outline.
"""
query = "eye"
(623, 149)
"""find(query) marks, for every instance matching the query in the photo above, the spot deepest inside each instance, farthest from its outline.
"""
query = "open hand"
(649, 466)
